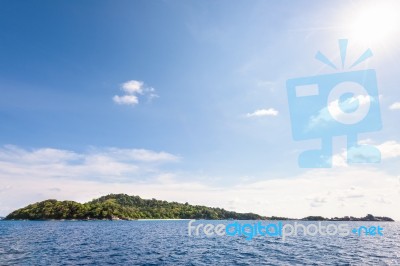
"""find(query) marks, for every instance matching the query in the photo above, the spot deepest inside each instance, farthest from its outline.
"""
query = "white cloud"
(126, 99)
(10, 153)
(263, 112)
(316, 201)
(389, 150)
(333, 112)
(151, 94)
(140, 155)
(330, 192)
(133, 86)
(338, 114)
(107, 165)
(132, 89)
(395, 106)
(27, 176)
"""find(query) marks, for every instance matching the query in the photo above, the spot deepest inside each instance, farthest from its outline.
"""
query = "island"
(367, 218)
(125, 207)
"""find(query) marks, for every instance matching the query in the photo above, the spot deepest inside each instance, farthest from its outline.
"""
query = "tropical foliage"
(122, 206)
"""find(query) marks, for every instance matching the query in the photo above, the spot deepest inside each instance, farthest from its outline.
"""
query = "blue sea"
(168, 243)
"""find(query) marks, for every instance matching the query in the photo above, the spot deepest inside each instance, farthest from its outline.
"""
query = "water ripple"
(167, 243)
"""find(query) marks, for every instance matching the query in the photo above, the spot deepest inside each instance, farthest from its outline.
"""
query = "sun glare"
(376, 23)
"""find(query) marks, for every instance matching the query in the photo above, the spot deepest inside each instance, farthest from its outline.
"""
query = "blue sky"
(189, 129)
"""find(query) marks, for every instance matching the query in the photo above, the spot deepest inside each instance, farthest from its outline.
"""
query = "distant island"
(125, 207)
(368, 218)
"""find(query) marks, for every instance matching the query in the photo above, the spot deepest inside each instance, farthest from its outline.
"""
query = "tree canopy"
(122, 206)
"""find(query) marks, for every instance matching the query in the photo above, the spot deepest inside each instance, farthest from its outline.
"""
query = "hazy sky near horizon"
(186, 101)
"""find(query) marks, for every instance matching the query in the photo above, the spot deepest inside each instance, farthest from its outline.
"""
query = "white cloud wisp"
(132, 90)
(263, 112)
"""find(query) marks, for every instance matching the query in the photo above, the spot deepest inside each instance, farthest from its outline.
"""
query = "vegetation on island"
(368, 218)
(124, 207)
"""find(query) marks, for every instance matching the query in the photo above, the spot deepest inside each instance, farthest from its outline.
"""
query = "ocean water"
(168, 243)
